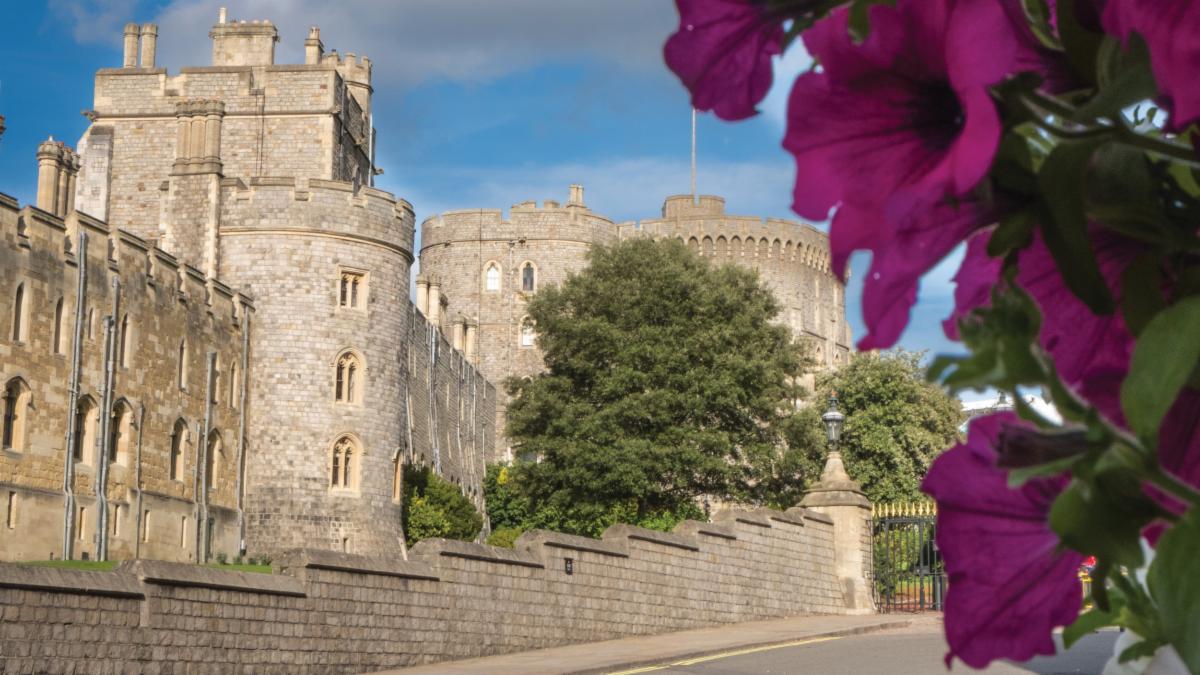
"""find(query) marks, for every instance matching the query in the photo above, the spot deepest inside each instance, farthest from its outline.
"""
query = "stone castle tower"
(478, 270)
(255, 176)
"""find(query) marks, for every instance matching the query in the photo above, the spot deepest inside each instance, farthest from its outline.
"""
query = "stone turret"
(243, 44)
(58, 166)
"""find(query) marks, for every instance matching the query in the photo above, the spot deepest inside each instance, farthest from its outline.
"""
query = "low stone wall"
(325, 612)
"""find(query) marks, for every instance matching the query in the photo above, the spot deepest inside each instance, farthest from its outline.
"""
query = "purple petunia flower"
(722, 53)
(1010, 583)
(891, 128)
(1171, 29)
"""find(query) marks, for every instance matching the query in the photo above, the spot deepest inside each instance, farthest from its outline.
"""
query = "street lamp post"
(833, 420)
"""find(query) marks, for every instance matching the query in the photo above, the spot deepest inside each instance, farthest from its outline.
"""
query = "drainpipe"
(202, 499)
(241, 451)
(137, 533)
(433, 434)
(73, 400)
(197, 470)
(110, 352)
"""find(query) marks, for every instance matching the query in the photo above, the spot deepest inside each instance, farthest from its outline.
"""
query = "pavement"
(649, 653)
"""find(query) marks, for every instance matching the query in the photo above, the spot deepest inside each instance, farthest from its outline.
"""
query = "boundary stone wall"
(325, 612)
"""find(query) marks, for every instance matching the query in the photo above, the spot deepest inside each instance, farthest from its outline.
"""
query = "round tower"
(329, 269)
(487, 268)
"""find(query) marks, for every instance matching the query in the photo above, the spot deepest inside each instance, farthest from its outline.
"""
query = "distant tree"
(896, 423)
(666, 380)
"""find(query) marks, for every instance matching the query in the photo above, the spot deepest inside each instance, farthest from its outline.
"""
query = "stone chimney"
(131, 45)
(576, 198)
(149, 44)
(314, 49)
(58, 167)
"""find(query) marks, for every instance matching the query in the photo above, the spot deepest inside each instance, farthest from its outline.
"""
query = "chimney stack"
(313, 48)
(131, 45)
(576, 198)
(149, 44)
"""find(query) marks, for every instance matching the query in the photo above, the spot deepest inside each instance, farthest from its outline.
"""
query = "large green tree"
(896, 423)
(666, 380)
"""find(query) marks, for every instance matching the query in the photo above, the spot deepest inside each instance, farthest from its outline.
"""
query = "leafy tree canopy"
(896, 423)
(666, 380)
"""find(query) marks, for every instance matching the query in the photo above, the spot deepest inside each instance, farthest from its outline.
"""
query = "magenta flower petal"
(1171, 29)
(722, 53)
(973, 282)
(891, 128)
(1010, 584)
(897, 264)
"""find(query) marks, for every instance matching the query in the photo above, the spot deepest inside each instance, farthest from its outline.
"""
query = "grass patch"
(88, 565)
(242, 567)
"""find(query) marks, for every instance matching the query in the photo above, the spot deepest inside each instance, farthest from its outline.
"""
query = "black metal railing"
(909, 575)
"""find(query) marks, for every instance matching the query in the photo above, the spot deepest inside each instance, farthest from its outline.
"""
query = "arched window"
(528, 277)
(16, 407)
(215, 394)
(179, 446)
(183, 363)
(123, 343)
(233, 385)
(86, 419)
(344, 458)
(213, 458)
(528, 334)
(348, 378)
(58, 344)
(91, 323)
(120, 433)
(491, 277)
(352, 288)
(19, 320)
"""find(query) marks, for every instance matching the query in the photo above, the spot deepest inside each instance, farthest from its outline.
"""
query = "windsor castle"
(207, 341)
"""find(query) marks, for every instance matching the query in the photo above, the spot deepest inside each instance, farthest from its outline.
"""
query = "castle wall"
(326, 612)
(164, 303)
(456, 250)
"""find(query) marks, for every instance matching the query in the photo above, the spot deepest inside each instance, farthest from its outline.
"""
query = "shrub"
(504, 537)
(434, 507)
(222, 559)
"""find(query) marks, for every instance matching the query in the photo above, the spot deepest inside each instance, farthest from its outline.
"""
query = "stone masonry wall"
(326, 612)
(150, 512)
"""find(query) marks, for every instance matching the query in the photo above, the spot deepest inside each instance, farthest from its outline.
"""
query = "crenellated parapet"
(278, 207)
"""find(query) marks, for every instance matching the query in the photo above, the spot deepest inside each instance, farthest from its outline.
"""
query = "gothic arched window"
(528, 277)
(123, 343)
(491, 277)
(212, 458)
(58, 345)
(120, 430)
(179, 445)
(19, 319)
(86, 418)
(344, 458)
(16, 407)
(183, 363)
(348, 378)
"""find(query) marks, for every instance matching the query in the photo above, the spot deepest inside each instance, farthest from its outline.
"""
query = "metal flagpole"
(693, 155)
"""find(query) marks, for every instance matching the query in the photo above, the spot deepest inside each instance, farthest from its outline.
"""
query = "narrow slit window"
(18, 318)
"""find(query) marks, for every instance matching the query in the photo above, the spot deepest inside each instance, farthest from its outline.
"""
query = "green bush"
(222, 559)
(504, 537)
(434, 507)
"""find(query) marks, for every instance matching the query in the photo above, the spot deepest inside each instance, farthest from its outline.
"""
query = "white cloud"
(410, 41)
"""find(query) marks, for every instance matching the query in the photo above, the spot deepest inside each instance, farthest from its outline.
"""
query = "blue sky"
(478, 103)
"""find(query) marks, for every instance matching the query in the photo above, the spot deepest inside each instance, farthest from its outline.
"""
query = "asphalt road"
(915, 652)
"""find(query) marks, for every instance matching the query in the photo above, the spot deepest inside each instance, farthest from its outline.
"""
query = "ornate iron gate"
(909, 574)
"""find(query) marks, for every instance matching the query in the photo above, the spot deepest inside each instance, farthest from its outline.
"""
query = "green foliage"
(504, 537)
(896, 424)
(1175, 586)
(506, 506)
(434, 507)
(665, 381)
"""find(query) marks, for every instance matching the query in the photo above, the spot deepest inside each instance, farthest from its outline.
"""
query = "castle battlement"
(527, 221)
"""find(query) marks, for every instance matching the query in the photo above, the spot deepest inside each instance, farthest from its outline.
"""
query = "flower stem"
(1175, 487)
(1159, 146)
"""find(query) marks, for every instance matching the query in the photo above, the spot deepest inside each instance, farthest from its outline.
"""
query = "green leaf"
(1141, 293)
(1087, 623)
(860, 20)
(1037, 14)
(1124, 78)
(1080, 43)
(1064, 229)
(1103, 517)
(1175, 587)
(1163, 360)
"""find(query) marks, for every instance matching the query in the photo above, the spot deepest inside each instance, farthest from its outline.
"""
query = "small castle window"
(352, 290)
(58, 345)
(233, 386)
(491, 277)
(119, 434)
(183, 363)
(528, 334)
(528, 278)
(12, 509)
(123, 344)
(16, 407)
(212, 459)
(91, 324)
(146, 525)
(343, 459)
(85, 429)
(179, 444)
(348, 378)
(19, 317)
(215, 389)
